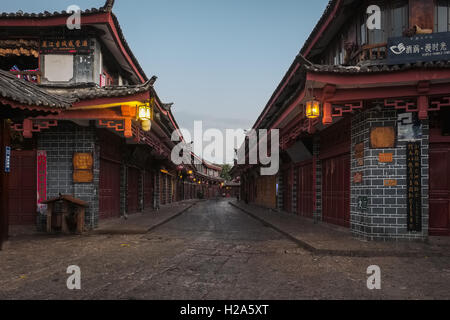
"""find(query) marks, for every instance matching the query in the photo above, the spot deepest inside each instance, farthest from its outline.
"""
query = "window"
(441, 16)
(394, 20)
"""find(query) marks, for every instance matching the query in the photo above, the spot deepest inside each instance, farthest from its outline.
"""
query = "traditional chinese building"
(111, 147)
(16, 106)
(364, 123)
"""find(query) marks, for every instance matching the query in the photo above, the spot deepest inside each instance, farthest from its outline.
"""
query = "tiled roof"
(87, 92)
(316, 68)
(20, 14)
(27, 93)
(319, 24)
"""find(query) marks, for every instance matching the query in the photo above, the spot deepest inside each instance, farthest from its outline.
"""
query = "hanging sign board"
(41, 175)
(421, 47)
(414, 185)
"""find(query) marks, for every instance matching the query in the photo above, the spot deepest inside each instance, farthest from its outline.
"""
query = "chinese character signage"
(68, 46)
(7, 159)
(41, 180)
(414, 185)
(421, 47)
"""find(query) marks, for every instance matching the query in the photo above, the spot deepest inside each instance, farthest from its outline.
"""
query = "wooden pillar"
(4, 177)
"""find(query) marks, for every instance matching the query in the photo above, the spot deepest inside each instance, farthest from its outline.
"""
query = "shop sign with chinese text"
(65, 46)
(421, 47)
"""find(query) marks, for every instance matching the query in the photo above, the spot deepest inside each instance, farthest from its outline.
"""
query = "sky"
(218, 61)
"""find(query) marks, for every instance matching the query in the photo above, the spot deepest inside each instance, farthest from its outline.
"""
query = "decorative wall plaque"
(83, 164)
(359, 154)
(386, 157)
(363, 203)
(414, 185)
(83, 176)
(382, 137)
(358, 177)
(390, 183)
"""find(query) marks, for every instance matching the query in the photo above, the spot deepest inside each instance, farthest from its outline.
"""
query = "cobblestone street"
(212, 251)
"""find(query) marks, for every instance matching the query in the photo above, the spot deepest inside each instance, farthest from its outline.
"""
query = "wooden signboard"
(386, 157)
(414, 185)
(83, 164)
(390, 183)
(382, 137)
(359, 154)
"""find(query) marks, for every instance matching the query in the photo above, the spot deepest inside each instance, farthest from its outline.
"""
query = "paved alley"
(212, 251)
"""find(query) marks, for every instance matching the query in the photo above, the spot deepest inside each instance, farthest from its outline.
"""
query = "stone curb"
(342, 253)
(143, 230)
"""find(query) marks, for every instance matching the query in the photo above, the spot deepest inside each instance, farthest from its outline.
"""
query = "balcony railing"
(370, 52)
(30, 76)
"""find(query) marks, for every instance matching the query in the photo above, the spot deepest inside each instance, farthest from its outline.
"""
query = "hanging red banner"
(41, 179)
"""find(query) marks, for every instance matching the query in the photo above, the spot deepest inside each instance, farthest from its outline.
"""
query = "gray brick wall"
(61, 143)
(385, 218)
(316, 152)
(294, 190)
(280, 191)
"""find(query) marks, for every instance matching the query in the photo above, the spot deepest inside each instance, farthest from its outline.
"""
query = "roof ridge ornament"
(109, 4)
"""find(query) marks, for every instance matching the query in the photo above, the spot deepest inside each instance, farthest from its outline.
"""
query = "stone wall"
(386, 216)
(61, 143)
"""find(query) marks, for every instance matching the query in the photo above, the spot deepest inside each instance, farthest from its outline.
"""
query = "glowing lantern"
(312, 109)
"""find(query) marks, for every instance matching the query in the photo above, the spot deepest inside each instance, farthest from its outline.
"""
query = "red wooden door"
(336, 190)
(305, 190)
(133, 190)
(148, 190)
(22, 188)
(287, 189)
(109, 193)
(439, 193)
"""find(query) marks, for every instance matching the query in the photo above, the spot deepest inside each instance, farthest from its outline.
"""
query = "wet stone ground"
(212, 251)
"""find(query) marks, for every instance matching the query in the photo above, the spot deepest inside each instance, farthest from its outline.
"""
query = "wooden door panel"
(336, 190)
(22, 188)
(148, 190)
(133, 191)
(109, 193)
(439, 193)
(305, 191)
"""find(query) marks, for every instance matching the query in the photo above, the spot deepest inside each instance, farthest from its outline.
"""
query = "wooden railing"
(370, 52)
(31, 76)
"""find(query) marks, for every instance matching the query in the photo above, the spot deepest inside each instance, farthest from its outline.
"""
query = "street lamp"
(312, 109)
(145, 116)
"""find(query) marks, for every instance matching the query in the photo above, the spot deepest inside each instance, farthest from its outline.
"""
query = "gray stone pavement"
(326, 239)
(211, 251)
(144, 222)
